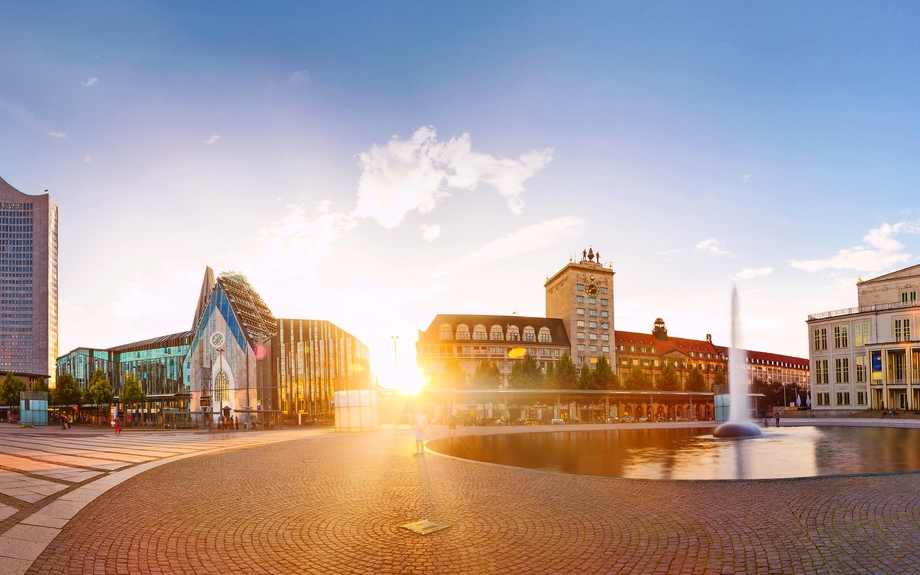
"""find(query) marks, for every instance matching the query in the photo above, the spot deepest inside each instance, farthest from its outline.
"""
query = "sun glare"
(410, 382)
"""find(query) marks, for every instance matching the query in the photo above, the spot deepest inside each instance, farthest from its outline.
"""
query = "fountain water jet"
(739, 424)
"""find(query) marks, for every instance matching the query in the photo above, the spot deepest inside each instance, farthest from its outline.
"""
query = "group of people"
(66, 421)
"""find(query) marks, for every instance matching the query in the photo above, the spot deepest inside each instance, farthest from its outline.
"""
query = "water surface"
(688, 453)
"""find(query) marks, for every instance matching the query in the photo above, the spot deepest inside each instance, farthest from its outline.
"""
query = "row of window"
(591, 300)
(900, 332)
(581, 335)
(591, 312)
(604, 348)
(496, 333)
(843, 398)
(581, 287)
(841, 370)
(592, 324)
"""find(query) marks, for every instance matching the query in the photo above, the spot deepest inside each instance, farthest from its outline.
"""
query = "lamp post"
(395, 338)
(784, 395)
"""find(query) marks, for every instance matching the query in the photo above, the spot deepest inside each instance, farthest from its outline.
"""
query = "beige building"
(581, 295)
(868, 357)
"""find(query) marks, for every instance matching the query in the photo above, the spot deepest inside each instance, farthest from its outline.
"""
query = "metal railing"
(864, 309)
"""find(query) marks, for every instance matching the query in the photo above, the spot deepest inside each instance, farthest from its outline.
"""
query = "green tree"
(586, 380)
(696, 381)
(668, 380)
(526, 374)
(550, 378)
(10, 388)
(604, 378)
(566, 374)
(99, 391)
(66, 391)
(638, 380)
(132, 393)
(453, 376)
(719, 378)
(487, 375)
(41, 384)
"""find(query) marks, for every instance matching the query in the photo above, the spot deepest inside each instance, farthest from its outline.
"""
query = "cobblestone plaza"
(321, 502)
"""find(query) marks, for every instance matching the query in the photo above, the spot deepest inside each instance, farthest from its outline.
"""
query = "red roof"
(679, 344)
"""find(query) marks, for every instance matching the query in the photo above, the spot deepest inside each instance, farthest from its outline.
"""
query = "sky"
(377, 163)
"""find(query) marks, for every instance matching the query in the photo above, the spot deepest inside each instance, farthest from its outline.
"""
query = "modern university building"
(238, 359)
(28, 284)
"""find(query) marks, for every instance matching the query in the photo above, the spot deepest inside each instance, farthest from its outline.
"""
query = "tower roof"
(249, 306)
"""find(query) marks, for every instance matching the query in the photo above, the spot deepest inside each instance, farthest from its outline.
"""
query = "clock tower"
(581, 295)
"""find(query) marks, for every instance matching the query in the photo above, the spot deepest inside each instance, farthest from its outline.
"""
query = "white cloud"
(89, 82)
(669, 252)
(746, 177)
(87, 159)
(212, 139)
(432, 232)
(414, 174)
(883, 252)
(711, 245)
(299, 77)
(57, 135)
(752, 273)
(523, 240)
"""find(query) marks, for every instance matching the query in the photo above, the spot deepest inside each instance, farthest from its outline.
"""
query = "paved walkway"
(334, 503)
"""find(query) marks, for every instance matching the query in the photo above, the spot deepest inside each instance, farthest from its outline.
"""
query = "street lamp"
(395, 360)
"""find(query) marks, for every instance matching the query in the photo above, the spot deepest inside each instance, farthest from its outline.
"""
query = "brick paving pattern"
(334, 504)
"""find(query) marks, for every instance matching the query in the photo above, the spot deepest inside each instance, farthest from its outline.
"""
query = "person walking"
(117, 426)
(451, 425)
(776, 413)
(421, 422)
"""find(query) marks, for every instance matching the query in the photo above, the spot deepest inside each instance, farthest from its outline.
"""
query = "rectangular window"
(902, 330)
(632, 348)
(592, 336)
(605, 348)
(908, 296)
(580, 323)
(842, 370)
(581, 335)
(604, 313)
(605, 337)
(840, 337)
(580, 287)
(593, 348)
(824, 399)
(861, 397)
(580, 311)
(603, 290)
(592, 300)
(622, 347)
(580, 299)
(861, 334)
(821, 339)
(592, 312)
(604, 302)
(592, 324)
(581, 347)
(860, 369)
(820, 371)
(605, 325)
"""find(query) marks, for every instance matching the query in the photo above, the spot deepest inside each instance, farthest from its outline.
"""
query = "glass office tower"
(28, 284)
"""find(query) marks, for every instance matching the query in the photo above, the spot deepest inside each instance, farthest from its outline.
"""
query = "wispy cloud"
(298, 78)
(751, 273)
(57, 135)
(712, 246)
(89, 82)
(518, 242)
(669, 252)
(415, 174)
(87, 159)
(746, 177)
(432, 232)
(881, 251)
(211, 140)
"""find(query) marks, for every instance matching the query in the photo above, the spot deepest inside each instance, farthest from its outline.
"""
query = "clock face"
(591, 289)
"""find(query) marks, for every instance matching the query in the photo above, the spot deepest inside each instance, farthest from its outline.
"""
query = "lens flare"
(517, 352)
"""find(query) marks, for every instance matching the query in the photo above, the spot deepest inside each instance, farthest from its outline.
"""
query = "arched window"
(446, 332)
(479, 332)
(544, 335)
(529, 334)
(463, 331)
(496, 333)
(514, 334)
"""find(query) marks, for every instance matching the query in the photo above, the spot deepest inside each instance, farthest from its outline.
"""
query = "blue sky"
(377, 163)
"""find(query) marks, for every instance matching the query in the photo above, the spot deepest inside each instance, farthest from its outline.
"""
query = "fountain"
(738, 425)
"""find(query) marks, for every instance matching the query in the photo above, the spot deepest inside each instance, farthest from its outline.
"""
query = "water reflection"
(694, 454)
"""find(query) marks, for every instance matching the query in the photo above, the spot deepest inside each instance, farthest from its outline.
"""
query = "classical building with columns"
(868, 357)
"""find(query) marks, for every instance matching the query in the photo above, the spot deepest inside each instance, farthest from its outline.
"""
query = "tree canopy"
(586, 379)
(41, 384)
(565, 372)
(604, 378)
(487, 375)
(453, 376)
(668, 380)
(66, 391)
(719, 378)
(526, 374)
(10, 388)
(132, 393)
(99, 391)
(638, 379)
(696, 381)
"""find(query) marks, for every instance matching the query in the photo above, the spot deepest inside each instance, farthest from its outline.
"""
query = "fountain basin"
(737, 429)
